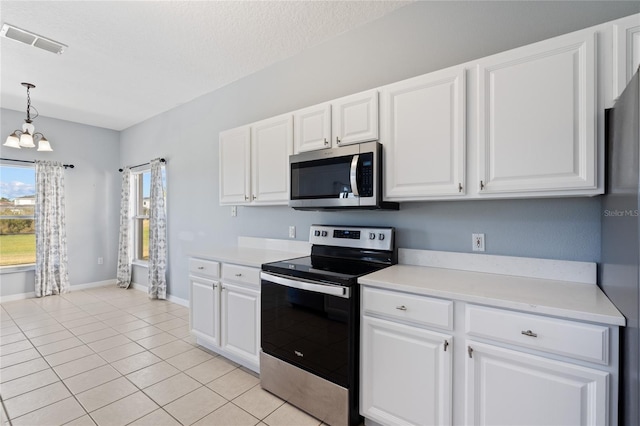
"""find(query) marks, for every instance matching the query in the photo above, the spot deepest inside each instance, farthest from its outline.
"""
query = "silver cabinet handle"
(326, 142)
(337, 140)
(238, 275)
(246, 198)
(529, 333)
(200, 267)
(401, 308)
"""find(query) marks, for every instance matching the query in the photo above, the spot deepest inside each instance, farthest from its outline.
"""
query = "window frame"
(23, 267)
(138, 218)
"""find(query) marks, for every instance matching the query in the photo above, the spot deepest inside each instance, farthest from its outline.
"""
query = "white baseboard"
(170, 298)
(139, 287)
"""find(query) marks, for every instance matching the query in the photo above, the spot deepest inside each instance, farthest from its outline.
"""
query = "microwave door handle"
(353, 176)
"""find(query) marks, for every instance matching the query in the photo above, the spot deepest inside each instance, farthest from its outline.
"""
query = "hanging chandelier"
(27, 137)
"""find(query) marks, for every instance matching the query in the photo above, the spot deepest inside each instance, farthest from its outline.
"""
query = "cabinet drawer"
(206, 268)
(589, 342)
(408, 307)
(241, 274)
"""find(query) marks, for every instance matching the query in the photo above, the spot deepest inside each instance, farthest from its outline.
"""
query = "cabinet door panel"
(235, 163)
(204, 309)
(423, 133)
(355, 118)
(537, 117)
(626, 51)
(405, 374)
(506, 387)
(271, 145)
(241, 321)
(312, 127)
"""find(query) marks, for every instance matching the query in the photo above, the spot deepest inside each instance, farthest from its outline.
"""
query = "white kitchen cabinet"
(204, 291)
(422, 123)
(406, 369)
(343, 121)
(626, 51)
(240, 322)
(225, 309)
(235, 166)
(271, 146)
(254, 162)
(507, 387)
(537, 118)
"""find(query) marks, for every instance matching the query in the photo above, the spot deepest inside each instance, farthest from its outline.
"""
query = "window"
(17, 215)
(141, 192)
(140, 195)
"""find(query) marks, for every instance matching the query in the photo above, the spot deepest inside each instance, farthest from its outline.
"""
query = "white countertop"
(256, 251)
(565, 299)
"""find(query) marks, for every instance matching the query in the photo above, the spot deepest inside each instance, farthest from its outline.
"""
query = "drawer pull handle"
(200, 267)
(238, 275)
(401, 308)
(529, 333)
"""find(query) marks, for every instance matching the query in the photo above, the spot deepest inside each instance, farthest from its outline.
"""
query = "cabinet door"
(271, 145)
(405, 374)
(235, 163)
(422, 122)
(312, 128)
(204, 311)
(626, 51)
(241, 321)
(505, 387)
(355, 118)
(537, 117)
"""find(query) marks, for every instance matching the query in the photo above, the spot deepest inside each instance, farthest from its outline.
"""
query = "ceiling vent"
(27, 37)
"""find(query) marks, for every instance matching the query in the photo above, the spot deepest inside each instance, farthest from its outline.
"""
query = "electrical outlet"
(100, 261)
(477, 241)
(234, 211)
(292, 232)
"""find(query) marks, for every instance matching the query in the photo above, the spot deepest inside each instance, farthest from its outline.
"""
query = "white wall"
(416, 39)
(92, 196)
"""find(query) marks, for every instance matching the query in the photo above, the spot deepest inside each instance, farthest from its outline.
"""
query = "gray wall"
(416, 39)
(92, 196)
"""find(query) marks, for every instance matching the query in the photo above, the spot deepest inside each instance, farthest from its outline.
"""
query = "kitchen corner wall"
(92, 196)
(416, 39)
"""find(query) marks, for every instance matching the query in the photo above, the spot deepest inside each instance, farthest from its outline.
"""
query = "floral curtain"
(51, 239)
(157, 234)
(123, 277)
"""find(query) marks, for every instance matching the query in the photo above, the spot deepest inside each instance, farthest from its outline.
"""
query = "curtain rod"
(162, 160)
(69, 166)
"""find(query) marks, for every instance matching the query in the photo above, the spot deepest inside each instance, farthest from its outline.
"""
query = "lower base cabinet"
(225, 309)
(507, 387)
(405, 374)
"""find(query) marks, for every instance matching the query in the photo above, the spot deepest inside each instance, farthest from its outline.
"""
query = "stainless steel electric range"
(310, 310)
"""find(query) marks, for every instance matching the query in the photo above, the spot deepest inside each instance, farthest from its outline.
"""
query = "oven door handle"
(332, 290)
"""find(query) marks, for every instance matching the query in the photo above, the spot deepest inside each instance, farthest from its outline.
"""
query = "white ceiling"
(130, 60)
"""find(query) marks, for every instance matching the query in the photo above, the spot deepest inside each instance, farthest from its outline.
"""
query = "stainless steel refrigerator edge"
(620, 253)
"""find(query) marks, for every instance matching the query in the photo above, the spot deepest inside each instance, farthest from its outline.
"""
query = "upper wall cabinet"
(537, 118)
(626, 51)
(271, 146)
(235, 163)
(254, 167)
(423, 133)
(352, 119)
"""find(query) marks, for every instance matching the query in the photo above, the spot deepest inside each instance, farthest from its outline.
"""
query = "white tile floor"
(110, 356)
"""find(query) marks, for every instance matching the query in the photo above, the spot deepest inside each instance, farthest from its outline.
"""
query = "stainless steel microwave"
(347, 177)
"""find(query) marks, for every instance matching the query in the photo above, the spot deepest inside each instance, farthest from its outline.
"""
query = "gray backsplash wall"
(416, 39)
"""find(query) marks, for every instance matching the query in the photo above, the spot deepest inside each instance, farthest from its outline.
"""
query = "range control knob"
(324, 233)
(381, 237)
(316, 233)
(372, 236)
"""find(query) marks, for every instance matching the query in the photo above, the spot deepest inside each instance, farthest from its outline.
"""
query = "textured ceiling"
(130, 60)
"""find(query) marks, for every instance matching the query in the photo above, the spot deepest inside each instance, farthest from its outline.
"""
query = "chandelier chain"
(28, 105)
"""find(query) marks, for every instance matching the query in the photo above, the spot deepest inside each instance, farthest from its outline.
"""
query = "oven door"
(310, 325)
